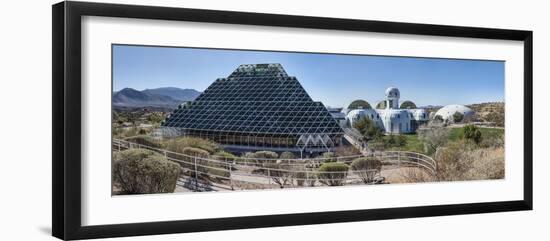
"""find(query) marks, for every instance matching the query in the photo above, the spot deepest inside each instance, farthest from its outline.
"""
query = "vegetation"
(491, 112)
(359, 104)
(368, 129)
(433, 138)
(458, 117)
(367, 168)
(460, 161)
(472, 133)
(144, 140)
(280, 173)
(224, 156)
(287, 155)
(329, 157)
(137, 171)
(180, 143)
(333, 173)
(408, 105)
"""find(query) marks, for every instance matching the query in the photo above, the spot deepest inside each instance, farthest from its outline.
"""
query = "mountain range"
(166, 97)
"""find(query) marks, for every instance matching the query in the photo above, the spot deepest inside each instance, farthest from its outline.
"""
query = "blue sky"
(334, 79)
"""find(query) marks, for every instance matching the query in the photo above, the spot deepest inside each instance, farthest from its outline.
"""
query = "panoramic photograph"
(207, 120)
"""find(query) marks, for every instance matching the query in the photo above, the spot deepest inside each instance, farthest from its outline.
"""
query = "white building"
(391, 119)
(447, 113)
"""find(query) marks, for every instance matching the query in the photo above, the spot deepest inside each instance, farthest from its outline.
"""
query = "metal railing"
(283, 171)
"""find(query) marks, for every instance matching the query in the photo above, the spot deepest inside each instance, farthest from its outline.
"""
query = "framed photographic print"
(169, 120)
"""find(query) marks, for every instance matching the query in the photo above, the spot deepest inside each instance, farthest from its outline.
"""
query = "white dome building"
(391, 119)
(448, 111)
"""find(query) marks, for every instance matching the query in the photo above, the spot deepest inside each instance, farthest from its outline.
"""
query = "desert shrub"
(472, 133)
(280, 173)
(496, 117)
(344, 150)
(433, 137)
(142, 171)
(329, 156)
(451, 161)
(225, 156)
(287, 155)
(178, 144)
(493, 141)
(367, 168)
(487, 163)
(333, 173)
(415, 175)
(144, 140)
(204, 166)
(265, 155)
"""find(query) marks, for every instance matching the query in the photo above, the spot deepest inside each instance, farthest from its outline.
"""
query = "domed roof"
(448, 111)
(392, 92)
(359, 104)
(407, 105)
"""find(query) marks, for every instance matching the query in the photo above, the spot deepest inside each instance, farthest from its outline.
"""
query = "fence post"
(269, 176)
(196, 175)
(230, 176)
(398, 159)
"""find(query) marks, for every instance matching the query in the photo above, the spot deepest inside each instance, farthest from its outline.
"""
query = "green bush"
(472, 133)
(266, 155)
(367, 168)
(144, 140)
(225, 156)
(178, 144)
(287, 155)
(204, 165)
(333, 173)
(138, 171)
(329, 157)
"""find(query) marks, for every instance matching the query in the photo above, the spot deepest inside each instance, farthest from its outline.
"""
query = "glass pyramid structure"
(258, 105)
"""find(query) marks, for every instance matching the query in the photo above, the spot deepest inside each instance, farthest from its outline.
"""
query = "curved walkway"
(283, 172)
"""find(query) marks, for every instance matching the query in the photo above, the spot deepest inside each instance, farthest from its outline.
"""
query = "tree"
(458, 117)
(359, 104)
(333, 173)
(472, 133)
(280, 173)
(367, 128)
(408, 105)
(433, 137)
(367, 168)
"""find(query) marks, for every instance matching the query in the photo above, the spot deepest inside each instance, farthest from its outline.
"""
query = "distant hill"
(174, 93)
(169, 97)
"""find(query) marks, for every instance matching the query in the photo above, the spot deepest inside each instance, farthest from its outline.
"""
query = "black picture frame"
(66, 157)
